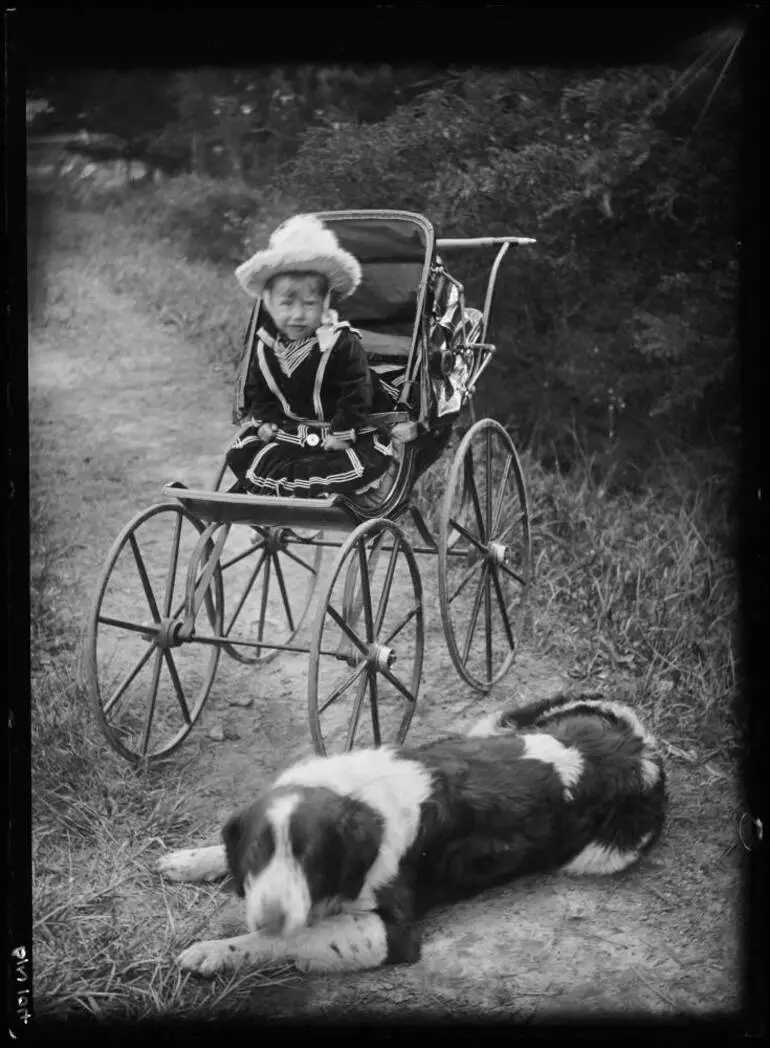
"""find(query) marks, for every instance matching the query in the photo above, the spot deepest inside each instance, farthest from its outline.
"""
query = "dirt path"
(124, 407)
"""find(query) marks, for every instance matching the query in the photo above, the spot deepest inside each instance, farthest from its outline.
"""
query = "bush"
(626, 303)
(207, 219)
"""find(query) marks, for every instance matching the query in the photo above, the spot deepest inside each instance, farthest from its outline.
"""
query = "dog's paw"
(207, 959)
(192, 864)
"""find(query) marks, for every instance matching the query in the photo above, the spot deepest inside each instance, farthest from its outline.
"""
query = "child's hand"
(332, 443)
(267, 431)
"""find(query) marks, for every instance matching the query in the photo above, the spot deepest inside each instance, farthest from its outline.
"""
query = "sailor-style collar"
(291, 354)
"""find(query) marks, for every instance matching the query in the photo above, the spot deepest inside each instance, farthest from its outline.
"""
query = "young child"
(306, 389)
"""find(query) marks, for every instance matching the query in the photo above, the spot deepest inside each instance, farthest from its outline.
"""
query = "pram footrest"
(227, 508)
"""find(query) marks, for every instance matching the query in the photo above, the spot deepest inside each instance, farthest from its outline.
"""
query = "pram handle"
(450, 242)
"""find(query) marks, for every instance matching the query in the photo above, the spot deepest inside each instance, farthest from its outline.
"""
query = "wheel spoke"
(465, 579)
(347, 630)
(241, 556)
(374, 710)
(153, 699)
(133, 627)
(366, 593)
(474, 493)
(247, 590)
(404, 622)
(356, 715)
(467, 535)
(172, 562)
(505, 532)
(386, 586)
(128, 679)
(263, 602)
(344, 686)
(177, 687)
(488, 621)
(501, 496)
(474, 614)
(513, 575)
(503, 608)
(390, 676)
(140, 566)
(284, 594)
(299, 560)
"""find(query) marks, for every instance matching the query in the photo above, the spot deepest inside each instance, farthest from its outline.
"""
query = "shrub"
(626, 302)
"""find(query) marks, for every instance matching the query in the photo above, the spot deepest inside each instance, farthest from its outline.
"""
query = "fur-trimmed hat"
(302, 244)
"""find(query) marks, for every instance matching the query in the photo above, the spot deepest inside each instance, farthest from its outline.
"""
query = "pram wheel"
(270, 575)
(484, 550)
(147, 681)
(367, 643)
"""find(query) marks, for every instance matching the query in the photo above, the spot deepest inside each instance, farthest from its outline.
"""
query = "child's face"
(296, 304)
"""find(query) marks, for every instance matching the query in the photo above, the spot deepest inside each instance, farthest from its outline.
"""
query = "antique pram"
(213, 570)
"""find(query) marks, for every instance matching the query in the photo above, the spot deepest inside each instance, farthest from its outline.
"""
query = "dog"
(342, 855)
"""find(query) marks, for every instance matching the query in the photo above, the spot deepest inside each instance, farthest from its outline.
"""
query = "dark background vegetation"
(617, 333)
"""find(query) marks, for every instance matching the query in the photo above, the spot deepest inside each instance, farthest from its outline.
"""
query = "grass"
(635, 593)
(643, 589)
(638, 593)
(105, 929)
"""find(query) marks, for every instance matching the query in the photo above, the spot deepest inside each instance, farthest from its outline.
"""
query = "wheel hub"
(381, 656)
(497, 552)
(277, 539)
(168, 633)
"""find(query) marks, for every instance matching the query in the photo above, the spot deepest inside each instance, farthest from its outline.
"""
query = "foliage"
(626, 303)
(620, 317)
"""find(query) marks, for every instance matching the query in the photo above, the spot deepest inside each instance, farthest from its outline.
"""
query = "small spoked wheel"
(367, 644)
(148, 666)
(270, 575)
(485, 555)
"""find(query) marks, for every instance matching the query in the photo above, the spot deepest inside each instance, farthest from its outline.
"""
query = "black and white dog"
(342, 854)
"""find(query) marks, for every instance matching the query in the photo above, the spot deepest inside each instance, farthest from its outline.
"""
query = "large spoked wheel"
(367, 645)
(485, 555)
(148, 674)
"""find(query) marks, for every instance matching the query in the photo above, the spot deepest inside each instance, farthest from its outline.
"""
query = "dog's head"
(299, 850)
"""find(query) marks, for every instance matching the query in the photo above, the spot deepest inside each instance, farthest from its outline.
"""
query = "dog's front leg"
(222, 955)
(194, 864)
(346, 942)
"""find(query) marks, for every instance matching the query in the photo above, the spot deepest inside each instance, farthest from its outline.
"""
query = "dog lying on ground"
(342, 855)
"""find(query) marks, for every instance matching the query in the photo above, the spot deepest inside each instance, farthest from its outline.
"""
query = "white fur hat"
(301, 244)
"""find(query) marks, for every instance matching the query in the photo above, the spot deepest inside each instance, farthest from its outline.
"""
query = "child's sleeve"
(262, 404)
(352, 382)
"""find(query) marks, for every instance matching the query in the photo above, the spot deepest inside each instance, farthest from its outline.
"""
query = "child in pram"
(307, 389)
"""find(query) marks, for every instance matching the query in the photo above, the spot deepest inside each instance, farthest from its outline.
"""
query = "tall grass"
(643, 588)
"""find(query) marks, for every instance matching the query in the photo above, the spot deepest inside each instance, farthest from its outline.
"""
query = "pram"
(211, 570)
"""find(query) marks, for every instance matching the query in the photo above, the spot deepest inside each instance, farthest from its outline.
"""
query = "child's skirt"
(295, 464)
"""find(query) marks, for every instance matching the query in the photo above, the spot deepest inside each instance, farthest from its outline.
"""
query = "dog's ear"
(360, 833)
(233, 837)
